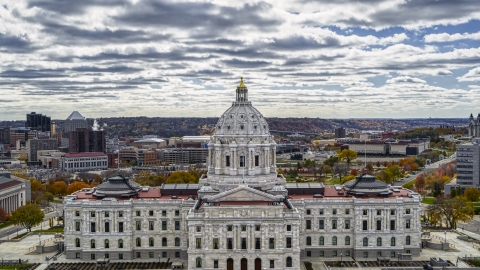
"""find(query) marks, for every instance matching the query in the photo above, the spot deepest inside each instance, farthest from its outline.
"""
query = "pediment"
(244, 193)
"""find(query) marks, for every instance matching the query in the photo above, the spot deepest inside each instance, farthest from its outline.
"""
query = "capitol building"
(242, 214)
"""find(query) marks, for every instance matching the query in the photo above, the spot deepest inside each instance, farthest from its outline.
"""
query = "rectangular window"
(379, 254)
(244, 228)
(164, 254)
(177, 225)
(347, 224)
(177, 254)
(92, 227)
(215, 243)
(164, 225)
(77, 255)
(392, 254)
(120, 227)
(257, 161)
(120, 256)
(289, 242)
(308, 225)
(151, 225)
(199, 229)
(334, 224)
(392, 225)
(139, 255)
(407, 224)
(138, 225)
(177, 213)
(242, 161)
(321, 224)
(334, 211)
(392, 212)
(407, 211)
(92, 214)
(107, 214)
(229, 243)
(138, 213)
(272, 263)
(309, 253)
(321, 212)
(77, 226)
(244, 243)
(229, 228)
(150, 212)
(258, 243)
(257, 228)
(321, 253)
(198, 243)
(334, 253)
(107, 226)
(92, 256)
(77, 213)
(379, 225)
(365, 254)
(347, 253)
(289, 228)
(379, 212)
(347, 211)
(120, 214)
(150, 255)
(365, 212)
(164, 213)
(309, 212)
(227, 161)
(215, 264)
(365, 225)
(271, 243)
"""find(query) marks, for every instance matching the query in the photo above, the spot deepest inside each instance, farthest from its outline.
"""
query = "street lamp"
(445, 235)
(39, 242)
(341, 259)
(159, 257)
(398, 257)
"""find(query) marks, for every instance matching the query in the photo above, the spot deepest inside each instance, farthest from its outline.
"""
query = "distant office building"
(14, 192)
(53, 129)
(86, 140)
(340, 133)
(77, 162)
(47, 157)
(468, 163)
(388, 147)
(21, 134)
(149, 142)
(183, 155)
(140, 157)
(34, 145)
(75, 120)
(474, 126)
(5, 135)
(38, 122)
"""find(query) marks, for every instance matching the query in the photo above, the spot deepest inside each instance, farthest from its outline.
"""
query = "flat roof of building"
(85, 154)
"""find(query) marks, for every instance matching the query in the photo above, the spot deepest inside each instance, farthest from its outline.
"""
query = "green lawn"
(428, 200)
(20, 235)
(58, 201)
(54, 229)
(5, 224)
(332, 181)
(18, 267)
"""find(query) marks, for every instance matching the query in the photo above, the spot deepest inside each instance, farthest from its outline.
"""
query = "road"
(14, 229)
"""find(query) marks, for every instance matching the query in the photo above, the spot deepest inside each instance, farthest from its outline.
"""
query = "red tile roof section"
(85, 154)
(10, 184)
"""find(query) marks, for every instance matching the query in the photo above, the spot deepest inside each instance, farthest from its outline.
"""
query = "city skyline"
(376, 59)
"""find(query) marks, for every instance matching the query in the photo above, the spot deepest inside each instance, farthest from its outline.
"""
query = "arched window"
(151, 242)
(379, 241)
(164, 242)
(139, 242)
(334, 241)
(289, 261)
(77, 242)
(321, 242)
(198, 262)
(177, 241)
(392, 242)
(309, 241)
(120, 243)
(407, 240)
(365, 242)
(347, 240)
(92, 243)
(107, 243)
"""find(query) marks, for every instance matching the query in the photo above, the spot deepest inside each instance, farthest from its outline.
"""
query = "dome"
(366, 185)
(117, 186)
(241, 118)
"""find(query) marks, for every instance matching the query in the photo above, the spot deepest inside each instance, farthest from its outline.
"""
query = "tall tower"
(242, 151)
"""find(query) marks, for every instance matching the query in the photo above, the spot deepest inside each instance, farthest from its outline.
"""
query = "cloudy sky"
(322, 58)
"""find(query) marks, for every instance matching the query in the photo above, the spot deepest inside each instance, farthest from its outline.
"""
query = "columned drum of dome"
(242, 150)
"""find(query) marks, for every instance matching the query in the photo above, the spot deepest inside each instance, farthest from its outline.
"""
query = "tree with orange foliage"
(354, 172)
(385, 164)
(378, 164)
(420, 182)
(60, 188)
(3, 215)
(76, 186)
(451, 169)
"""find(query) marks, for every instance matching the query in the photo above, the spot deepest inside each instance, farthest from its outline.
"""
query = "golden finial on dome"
(241, 85)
